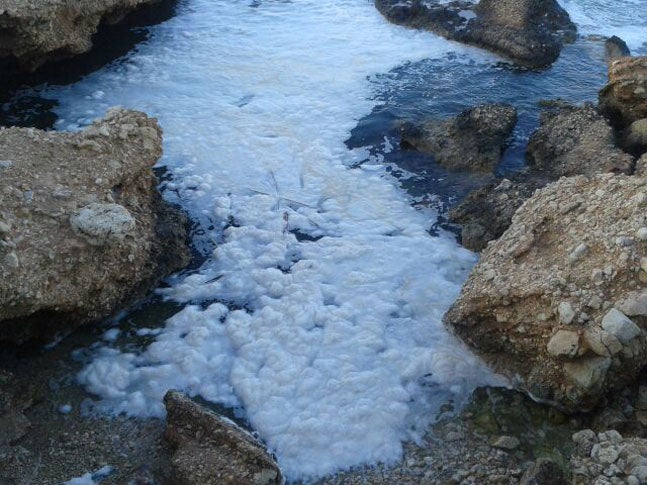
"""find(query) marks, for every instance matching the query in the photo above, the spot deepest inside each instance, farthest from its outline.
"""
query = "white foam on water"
(333, 343)
(625, 18)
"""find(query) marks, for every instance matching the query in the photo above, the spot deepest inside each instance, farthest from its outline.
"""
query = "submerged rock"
(83, 230)
(530, 32)
(573, 140)
(575, 247)
(37, 31)
(212, 450)
(624, 98)
(473, 140)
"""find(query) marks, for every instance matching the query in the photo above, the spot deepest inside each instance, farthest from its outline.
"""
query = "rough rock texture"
(635, 137)
(212, 450)
(624, 98)
(473, 140)
(486, 212)
(558, 301)
(615, 47)
(83, 229)
(530, 32)
(608, 458)
(14, 399)
(36, 31)
(575, 140)
(641, 166)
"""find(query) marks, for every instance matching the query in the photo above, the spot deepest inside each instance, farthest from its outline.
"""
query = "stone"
(103, 224)
(641, 166)
(209, 449)
(615, 47)
(588, 373)
(95, 236)
(508, 443)
(602, 342)
(530, 32)
(584, 441)
(605, 454)
(564, 344)
(617, 323)
(624, 98)
(473, 140)
(574, 140)
(35, 32)
(544, 472)
(566, 312)
(635, 137)
(635, 304)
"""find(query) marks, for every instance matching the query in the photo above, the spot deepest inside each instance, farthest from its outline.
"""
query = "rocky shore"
(557, 302)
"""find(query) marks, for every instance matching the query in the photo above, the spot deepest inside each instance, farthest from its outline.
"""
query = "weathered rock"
(615, 47)
(35, 32)
(212, 450)
(474, 140)
(635, 137)
(509, 309)
(641, 166)
(530, 32)
(624, 98)
(575, 141)
(84, 229)
(486, 212)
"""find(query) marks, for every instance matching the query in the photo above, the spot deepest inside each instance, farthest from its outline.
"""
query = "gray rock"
(544, 472)
(584, 441)
(588, 373)
(618, 324)
(474, 140)
(635, 304)
(103, 224)
(605, 454)
(602, 342)
(566, 312)
(209, 449)
(508, 443)
(635, 137)
(641, 166)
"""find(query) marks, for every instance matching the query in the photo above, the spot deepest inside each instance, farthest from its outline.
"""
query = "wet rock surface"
(558, 299)
(624, 98)
(83, 230)
(529, 32)
(473, 140)
(35, 32)
(212, 450)
(615, 47)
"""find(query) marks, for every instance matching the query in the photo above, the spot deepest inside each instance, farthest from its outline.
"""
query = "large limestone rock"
(575, 140)
(530, 32)
(209, 449)
(624, 98)
(83, 229)
(37, 31)
(559, 301)
(473, 140)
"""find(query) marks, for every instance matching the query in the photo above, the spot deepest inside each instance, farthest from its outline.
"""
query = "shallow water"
(319, 311)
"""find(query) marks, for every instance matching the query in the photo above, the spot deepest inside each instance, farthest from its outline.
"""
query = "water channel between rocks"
(317, 311)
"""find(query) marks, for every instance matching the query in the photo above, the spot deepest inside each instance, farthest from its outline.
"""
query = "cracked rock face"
(559, 301)
(209, 449)
(37, 31)
(83, 230)
(624, 98)
(529, 32)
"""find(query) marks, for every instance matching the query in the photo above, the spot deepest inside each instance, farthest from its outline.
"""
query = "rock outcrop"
(209, 449)
(558, 301)
(473, 140)
(624, 98)
(486, 212)
(530, 32)
(573, 140)
(614, 48)
(83, 230)
(608, 458)
(36, 31)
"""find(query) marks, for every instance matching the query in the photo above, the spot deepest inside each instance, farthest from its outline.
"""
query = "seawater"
(319, 307)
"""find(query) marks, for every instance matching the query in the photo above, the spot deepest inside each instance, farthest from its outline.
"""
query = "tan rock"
(624, 98)
(612, 347)
(88, 232)
(209, 449)
(35, 32)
